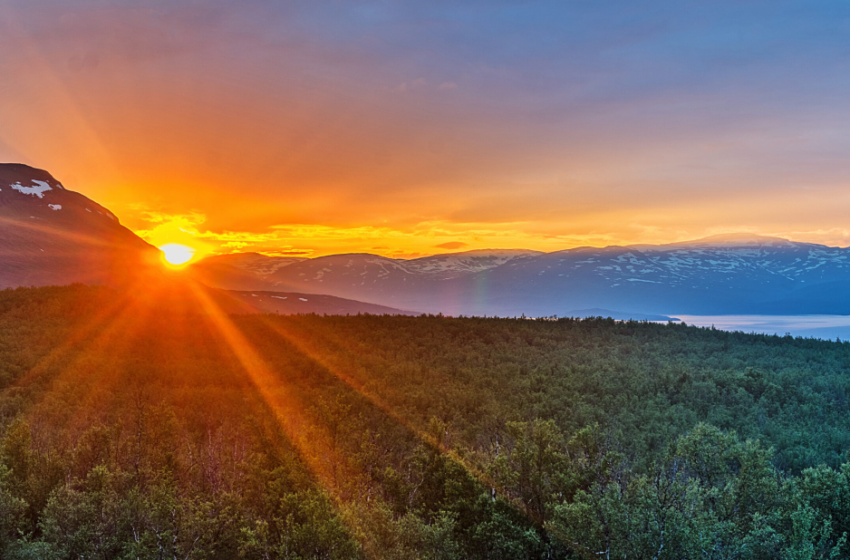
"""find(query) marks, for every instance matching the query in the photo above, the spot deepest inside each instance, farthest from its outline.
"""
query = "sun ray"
(103, 333)
(308, 349)
(107, 333)
(289, 413)
(66, 109)
(307, 346)
(112, 329)
(77, 238)
(104, 320)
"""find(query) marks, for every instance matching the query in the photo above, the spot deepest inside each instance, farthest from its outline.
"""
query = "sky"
(410, 128)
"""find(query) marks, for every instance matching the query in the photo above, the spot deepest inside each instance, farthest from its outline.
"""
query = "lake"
(827, 327)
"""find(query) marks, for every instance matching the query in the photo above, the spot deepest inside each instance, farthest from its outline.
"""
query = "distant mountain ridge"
(725, 274)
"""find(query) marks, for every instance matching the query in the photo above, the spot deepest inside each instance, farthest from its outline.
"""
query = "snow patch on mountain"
(255, 263)
(467, 261)
(39, 188)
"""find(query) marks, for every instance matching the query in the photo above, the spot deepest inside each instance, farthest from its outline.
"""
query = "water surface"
(827, 327)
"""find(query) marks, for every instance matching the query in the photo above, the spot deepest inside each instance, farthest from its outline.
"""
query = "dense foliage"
(134, 429)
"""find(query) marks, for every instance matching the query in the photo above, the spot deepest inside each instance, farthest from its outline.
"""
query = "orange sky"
(404, 130)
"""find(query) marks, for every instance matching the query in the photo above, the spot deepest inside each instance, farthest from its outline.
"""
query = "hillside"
(289, 303)
(51, 235)
(127, 429)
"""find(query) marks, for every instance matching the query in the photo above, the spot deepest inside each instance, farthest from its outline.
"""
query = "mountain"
(240, 271)
(724, 274)
(254, 271)
(730, 274)
(289, 303)
(426, 283)
(51, 235)
(183, 296)
(453, 264)
(262, 266)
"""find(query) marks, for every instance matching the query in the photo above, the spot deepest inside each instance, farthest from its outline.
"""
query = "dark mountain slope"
(50, 235)
(289, 303)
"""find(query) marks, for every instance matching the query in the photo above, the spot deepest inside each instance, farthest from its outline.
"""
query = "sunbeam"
(307, 347)
(289, 413)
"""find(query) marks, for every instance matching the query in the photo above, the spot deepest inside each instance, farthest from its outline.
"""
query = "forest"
(131, 428)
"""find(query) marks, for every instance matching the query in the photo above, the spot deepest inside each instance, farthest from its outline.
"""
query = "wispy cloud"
(451, 245)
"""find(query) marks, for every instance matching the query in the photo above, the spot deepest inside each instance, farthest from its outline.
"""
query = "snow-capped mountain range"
(737, 273)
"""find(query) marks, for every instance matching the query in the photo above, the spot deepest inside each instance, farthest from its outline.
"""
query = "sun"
(176, 254)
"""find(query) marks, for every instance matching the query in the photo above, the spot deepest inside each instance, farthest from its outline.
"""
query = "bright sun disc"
(177, 254)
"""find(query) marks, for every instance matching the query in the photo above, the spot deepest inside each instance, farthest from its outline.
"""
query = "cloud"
(410, 125)
(287, 252)
(406, 255)
(411, 85)
(189, 220)
(423, 238)
(452, 245)
(412, 241)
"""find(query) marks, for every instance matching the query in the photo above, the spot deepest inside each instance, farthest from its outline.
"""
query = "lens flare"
(176, 254)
